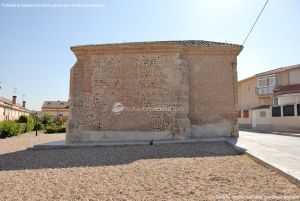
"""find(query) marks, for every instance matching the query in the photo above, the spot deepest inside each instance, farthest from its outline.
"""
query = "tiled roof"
(7, 101)
(277, 70)
(55, 104)
(287, 89)
(178, 42)
(261, 107)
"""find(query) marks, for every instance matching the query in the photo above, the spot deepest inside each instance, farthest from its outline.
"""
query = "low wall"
(93, 136)
(291, 124)
(244, 121)
(245, 126)
(222, 128)
(272, 123)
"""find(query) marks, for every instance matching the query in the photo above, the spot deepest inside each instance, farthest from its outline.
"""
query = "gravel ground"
(195, 171)
(24, 141)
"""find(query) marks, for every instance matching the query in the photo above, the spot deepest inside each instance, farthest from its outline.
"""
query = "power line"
(263, 8)
(255, 22)
(234, 58)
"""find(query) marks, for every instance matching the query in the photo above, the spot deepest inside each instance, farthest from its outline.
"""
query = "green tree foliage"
(28, 120)
(39, 126)
(47, 119)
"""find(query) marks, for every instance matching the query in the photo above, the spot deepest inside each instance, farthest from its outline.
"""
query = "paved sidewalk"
(271, 132)
(281, 152)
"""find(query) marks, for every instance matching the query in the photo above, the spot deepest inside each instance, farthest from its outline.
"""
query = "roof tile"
(287, 89)
(56, 104)
(178, 42)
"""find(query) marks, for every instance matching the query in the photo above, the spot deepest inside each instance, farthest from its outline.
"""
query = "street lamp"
(36, 122)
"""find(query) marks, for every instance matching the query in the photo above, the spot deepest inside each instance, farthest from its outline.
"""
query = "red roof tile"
(287, 89)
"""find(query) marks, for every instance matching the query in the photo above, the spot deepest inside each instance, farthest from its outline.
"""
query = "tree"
(28, 120)
(47, 119)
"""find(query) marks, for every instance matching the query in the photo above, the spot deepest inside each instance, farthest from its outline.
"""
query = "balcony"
(265, 91)
(266, 85)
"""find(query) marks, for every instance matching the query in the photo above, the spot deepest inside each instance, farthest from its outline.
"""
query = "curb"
(265, 164)
(63, 145)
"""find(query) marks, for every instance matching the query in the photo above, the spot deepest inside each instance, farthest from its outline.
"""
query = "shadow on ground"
(113, 155)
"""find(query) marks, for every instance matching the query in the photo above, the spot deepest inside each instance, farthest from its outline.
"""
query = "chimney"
(14, 100)
(24, 104)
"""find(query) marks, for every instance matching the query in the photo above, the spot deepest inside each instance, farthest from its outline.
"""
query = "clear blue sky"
(35, 54)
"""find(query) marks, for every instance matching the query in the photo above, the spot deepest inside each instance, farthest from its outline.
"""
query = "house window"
(298, 109)
(267, 81)
(262, 82)
(239, 114)
(266, 85)
(276, 111)
(246, 113)
(262, 114)
(288, 110)
(275, 101)
(272, 81)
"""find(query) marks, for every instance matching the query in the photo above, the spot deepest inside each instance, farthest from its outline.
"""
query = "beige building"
(11, 110)
(57, 109)
(270, 100)
(153, 90)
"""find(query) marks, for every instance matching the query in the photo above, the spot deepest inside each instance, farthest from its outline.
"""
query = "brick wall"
(111, 85)
(213, 94)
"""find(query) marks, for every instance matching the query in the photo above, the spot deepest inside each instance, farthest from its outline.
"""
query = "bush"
(10, 128)
(58, 122)
(30, 124)
(22, 127)
(55, 129)
(61, 129)
(50, 129)
(28, 120)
